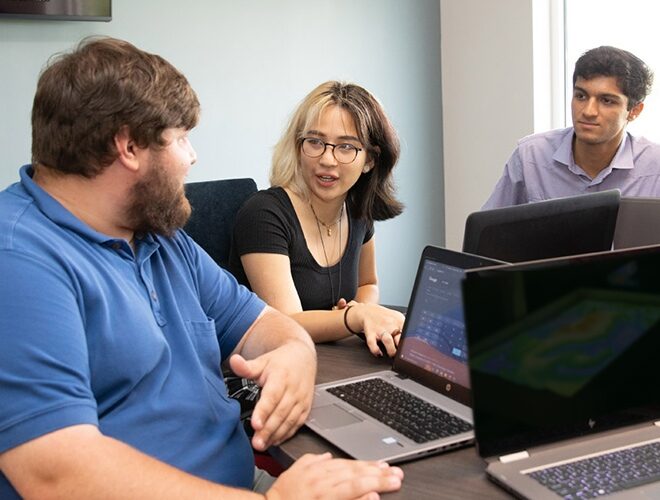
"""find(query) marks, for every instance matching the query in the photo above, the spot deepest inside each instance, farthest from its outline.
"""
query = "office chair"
(215, 204)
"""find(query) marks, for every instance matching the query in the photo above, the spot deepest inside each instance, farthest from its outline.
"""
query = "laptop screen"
(635, 217)
(434, 347)
(435, 335)
(564, 348)
(544, 229)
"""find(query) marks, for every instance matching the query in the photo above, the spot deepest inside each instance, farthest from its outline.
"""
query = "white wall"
(251, 62)
(488, 98)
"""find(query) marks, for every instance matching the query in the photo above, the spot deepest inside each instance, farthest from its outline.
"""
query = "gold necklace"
(328, 227)
(325, 254)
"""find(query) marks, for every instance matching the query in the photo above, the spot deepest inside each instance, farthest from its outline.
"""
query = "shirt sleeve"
(44, 365)
(510, 189)
(262, 226)
(230, 305)
(369, 232)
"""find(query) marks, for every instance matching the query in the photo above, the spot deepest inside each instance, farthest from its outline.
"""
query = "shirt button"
(154, 296)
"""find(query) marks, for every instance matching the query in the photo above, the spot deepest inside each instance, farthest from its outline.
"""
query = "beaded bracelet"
(346, 321)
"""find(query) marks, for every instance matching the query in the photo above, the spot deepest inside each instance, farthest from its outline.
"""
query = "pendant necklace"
(328, 227)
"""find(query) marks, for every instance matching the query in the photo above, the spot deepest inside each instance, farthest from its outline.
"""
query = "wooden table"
(454, 474)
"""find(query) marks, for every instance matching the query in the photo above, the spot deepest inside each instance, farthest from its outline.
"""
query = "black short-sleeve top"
(267, 223)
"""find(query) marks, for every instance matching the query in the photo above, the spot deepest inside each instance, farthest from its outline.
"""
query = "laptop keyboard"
(603, 474)
(411, 416)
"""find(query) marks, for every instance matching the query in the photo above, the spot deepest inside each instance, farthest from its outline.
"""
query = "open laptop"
(638, 223)
(565, 377)
(430, 365)
(551, 228)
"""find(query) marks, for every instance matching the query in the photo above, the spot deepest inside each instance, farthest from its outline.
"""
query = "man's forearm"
(271, 330)
(280, 356)
(80, 462)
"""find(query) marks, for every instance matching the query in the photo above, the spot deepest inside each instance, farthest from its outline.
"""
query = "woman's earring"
(366, 169)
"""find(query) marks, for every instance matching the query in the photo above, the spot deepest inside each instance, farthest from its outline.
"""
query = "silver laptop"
(564, 373)
(430, 371)
(637, 223)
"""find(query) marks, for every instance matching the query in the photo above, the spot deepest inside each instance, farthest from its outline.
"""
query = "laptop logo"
(391, 440)
(591, 423)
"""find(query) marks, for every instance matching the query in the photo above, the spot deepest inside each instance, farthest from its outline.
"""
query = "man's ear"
(635, 111)
(127, 149)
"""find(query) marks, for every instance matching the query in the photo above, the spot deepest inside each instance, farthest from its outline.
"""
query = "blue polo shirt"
(92, 334)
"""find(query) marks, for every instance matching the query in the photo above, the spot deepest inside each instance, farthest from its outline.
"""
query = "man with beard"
(596, 153)
(114, 323)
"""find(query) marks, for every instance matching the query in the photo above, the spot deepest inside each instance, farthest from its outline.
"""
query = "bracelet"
(348, 308)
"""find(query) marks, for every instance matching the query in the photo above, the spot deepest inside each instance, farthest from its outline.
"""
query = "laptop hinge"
(512, 457)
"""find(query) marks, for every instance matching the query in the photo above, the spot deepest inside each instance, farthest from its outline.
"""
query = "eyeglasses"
(343, 153)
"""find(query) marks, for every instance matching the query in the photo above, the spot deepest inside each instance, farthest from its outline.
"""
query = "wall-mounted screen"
(64, 10)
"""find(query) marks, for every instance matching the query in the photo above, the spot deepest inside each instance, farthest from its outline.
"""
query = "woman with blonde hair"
(306, 245)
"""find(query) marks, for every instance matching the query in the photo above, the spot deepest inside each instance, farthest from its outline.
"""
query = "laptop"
(429, 371)
(551, 228)
(565, 377)
(638, 223)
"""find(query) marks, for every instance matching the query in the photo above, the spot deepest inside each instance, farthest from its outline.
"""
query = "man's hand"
(286, 376)
(321, 476)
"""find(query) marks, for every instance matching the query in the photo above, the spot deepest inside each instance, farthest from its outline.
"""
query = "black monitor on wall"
(553, 228)
(63, 10)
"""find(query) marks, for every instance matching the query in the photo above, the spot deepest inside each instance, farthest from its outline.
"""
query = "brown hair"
(85, 97)
(372, 196)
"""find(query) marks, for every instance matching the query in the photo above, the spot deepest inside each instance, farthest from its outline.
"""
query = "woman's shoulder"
(267, 205)
(361, 229)
(273, 197)
(360, 222)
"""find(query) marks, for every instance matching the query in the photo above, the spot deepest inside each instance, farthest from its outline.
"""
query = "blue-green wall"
(251, 61)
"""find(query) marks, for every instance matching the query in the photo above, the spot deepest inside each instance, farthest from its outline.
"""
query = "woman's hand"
(379, 324)
(342, 303)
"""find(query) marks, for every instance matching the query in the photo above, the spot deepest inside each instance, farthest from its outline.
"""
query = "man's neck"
(593, 158)
(89, 200)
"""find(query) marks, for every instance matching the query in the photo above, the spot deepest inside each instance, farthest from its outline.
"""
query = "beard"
(158, 203)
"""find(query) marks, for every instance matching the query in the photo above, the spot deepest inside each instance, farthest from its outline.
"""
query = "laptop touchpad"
(331, 416)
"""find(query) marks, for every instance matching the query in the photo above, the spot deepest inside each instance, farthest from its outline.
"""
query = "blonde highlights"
(372, 196)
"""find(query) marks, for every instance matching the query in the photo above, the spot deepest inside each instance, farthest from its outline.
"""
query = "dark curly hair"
(633, 76)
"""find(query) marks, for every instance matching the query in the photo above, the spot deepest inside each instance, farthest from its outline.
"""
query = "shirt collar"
(624, 156)
(564, 153)
(623, 159)
(55, 211)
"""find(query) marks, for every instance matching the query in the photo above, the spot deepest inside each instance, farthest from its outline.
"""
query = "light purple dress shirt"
(542, 167)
